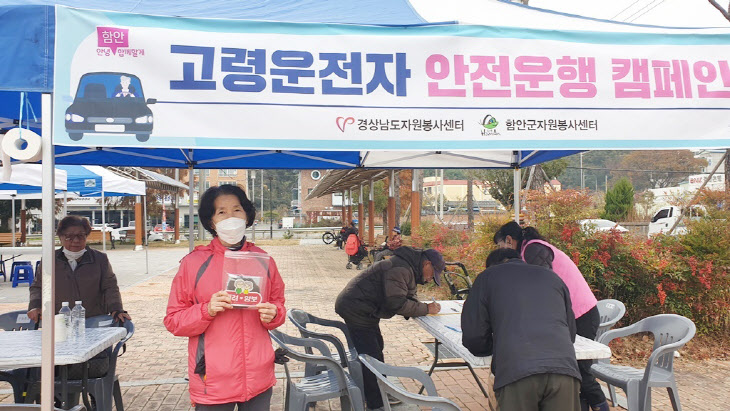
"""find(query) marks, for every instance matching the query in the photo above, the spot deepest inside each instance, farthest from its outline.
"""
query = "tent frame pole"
(146, 241)
(49, 265)
(191, 193)
(103, 219)
(517, 175)
(12, 212)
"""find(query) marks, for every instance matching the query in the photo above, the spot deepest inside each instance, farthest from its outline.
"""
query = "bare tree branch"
(724, 12)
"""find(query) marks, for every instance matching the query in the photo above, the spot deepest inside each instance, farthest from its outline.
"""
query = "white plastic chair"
(671, 332)
(347, 356)
(610, 312)
(387, 387)
(333, 383)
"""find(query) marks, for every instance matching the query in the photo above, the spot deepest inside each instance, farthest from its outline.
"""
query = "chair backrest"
(285, 341)
(16, 320)
(99, 321)
(379, 369)
(299, 318)
(667, 329)
(610, 312)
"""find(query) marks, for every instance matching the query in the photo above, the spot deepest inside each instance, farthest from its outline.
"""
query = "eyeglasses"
(73, 237)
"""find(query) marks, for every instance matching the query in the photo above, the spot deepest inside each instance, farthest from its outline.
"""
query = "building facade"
(328, 207)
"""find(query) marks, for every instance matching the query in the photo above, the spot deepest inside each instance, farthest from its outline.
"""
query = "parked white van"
(665, 218)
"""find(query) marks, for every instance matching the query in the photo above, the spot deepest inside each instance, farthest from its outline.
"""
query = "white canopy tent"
(331, 138)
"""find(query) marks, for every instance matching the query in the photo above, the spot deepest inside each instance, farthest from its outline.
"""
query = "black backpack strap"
(200, 273)
(200, 352)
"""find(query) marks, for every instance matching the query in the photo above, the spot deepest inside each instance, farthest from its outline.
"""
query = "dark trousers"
(590, 390)
(369, 341)
(540, 392)
(261, 402)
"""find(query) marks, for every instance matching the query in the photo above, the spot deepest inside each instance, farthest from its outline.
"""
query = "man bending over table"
(521, 315)
(386, 289)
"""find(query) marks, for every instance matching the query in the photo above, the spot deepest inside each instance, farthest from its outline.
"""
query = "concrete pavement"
(153, 369)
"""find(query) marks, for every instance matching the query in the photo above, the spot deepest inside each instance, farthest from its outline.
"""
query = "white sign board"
(134, 80)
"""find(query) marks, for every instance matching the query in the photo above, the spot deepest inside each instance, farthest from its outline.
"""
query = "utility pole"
(582, 178)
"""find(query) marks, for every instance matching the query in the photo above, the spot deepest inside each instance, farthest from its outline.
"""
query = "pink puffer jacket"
(238, 356)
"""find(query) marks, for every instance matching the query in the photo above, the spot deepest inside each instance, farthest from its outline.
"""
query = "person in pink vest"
(535, 250)
(230, 356)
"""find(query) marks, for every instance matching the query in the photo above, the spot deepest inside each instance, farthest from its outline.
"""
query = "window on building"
(316, 175)
(309, 191)
(228, 172)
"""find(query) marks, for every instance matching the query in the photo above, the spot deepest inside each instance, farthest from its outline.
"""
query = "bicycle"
(330, 236)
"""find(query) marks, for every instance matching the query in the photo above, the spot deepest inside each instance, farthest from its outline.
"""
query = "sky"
(677, 13)
(670, 13)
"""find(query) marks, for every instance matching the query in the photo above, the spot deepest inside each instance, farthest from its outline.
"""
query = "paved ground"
(153, 369)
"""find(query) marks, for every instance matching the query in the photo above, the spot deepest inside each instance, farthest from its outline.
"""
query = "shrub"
(619, 201)
(687, 275)
(405, 228)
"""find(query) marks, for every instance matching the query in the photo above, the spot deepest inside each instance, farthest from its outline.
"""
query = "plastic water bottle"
(78, 317)
(66, 311)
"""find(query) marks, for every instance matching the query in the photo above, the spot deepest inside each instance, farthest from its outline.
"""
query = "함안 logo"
(489, 122)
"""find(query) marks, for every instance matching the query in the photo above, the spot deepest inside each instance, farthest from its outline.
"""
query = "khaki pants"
(540, 392)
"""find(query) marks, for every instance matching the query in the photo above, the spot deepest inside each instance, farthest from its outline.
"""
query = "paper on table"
(450, 307)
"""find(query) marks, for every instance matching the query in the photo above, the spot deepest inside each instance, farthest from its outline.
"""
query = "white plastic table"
(22, 349)
(446, 329)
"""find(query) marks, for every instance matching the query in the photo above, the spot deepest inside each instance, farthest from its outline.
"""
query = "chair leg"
(118, 396)
(632, 397)
(646, 403)
(674, 397)
(612, 394)
(297, 402)
(345, 403)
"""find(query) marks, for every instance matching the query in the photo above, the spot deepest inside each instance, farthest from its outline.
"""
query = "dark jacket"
(383, 290)
(93, 283)
(538, 254)
(347, 232)
(522, 316)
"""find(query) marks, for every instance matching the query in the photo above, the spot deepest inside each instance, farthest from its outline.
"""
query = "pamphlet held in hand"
(245, 279)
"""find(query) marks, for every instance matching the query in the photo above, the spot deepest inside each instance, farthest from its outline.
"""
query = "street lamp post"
(271, 210)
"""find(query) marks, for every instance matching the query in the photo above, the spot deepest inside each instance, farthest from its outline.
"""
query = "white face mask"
(231, 230)
(73, 255)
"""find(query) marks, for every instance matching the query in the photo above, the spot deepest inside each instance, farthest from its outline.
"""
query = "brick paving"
(153, 369)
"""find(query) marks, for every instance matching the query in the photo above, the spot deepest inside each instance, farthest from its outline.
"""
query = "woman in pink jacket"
(535, 250)
(230, 356)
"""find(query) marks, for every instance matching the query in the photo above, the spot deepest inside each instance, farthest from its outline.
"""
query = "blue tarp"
(28, 27)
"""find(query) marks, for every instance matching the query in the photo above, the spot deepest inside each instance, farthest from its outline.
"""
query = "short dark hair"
(73, 221)
(206, 207)
(517, 233)
(501, 255)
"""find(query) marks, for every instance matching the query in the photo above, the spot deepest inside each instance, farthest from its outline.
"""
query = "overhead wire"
(652, 8)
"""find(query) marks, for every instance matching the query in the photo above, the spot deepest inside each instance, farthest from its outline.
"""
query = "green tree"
(6, 212)
(619, 201)
(500, 183)
(668, 167)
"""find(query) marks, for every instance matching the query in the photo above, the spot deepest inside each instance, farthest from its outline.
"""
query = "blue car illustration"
(109, 103)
